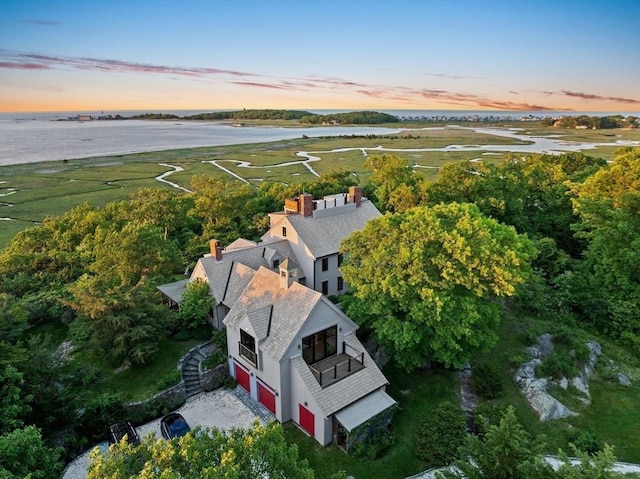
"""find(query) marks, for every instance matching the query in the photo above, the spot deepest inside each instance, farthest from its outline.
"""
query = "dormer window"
(276, 263)
(247, 347)
(284, 231)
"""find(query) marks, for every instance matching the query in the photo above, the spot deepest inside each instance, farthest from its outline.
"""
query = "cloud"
(23, 66)
(120, 66)
(46, 23)
(262, 85)
(34, 61)
(591, 96)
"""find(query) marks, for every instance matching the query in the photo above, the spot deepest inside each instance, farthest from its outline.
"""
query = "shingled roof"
(290, 309)
(219, 272)
(340, 394)
(322, 235)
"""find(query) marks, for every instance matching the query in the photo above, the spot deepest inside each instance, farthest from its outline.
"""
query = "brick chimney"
(216, 249)
(355, 195)
(305, 204)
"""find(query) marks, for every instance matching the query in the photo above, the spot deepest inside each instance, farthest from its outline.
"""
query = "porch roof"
(174, 290)
(364, 409)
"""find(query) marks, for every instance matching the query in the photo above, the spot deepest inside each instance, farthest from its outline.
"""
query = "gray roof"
(364, 409)
(290, 309)
(323, 235)
(342, 393)
(174, 290)
(219, 272)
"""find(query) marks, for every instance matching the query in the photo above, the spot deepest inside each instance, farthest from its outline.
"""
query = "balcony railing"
(248, 354)
(335, 368)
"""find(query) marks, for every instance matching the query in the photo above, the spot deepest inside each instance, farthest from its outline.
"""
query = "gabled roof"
(342, 393)
(219, 272)
(322, 235)
(240, 243)
(290, 309)
(260, 321)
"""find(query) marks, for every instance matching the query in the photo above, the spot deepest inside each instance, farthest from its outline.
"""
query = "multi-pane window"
(320, 345)
(247, 347)
(340, 260)
(325, 264)
(340, 283)
(325, 287)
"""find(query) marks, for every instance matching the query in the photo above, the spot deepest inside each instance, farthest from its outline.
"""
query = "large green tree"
(428, 281)
(207, 453)
(609, 206)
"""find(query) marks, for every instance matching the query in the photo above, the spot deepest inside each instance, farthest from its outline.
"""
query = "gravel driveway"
(221, 408)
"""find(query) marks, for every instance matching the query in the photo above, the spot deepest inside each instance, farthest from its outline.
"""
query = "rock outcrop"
(535, 391)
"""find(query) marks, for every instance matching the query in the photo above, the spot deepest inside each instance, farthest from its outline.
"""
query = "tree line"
(593, 122)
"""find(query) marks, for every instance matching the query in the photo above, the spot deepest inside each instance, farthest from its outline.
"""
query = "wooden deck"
(335, 368)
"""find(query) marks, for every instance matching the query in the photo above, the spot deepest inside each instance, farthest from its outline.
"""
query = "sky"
(157, 55)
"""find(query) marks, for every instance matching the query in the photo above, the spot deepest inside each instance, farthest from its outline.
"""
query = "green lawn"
(416, 394)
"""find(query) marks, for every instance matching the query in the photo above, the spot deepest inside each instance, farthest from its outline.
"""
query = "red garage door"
(307, 420)
(242, 377)
(267, 398)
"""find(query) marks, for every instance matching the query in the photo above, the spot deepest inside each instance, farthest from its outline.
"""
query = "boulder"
(535, 391)
(624, 379)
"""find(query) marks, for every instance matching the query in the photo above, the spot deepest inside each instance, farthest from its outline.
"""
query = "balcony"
(248, 354)
(337, 367)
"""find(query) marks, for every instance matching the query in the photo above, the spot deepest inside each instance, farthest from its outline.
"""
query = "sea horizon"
(401, 113)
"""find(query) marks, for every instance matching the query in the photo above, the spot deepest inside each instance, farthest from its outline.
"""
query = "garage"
(307, 420)
(267, 397)
(242, 376)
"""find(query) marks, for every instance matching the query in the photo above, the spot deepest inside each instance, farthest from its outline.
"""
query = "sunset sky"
(92, 55)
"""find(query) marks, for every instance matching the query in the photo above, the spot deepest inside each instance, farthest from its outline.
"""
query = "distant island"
(376, 118)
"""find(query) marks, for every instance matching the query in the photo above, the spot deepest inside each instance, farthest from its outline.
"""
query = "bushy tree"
(507, 451)
(205, 453)
(608, 290)
(396, 186)
(23, 454)
(196, 305)
(428, 281)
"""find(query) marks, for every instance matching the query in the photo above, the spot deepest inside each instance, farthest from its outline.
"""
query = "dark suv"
(173, 425)
(118, 431)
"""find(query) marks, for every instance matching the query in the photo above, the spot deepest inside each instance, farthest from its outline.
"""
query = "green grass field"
(51, 188)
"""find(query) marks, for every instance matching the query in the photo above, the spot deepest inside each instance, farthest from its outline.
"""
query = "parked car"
(121, 429)
(173, 425)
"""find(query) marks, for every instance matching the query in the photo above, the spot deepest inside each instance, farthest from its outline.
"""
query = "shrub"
(585, 441)
(214, 359)
(219, 339)
(375, 446)
(487, 381)
(558, 364)
(487, 414)
(182, 335)
(169, 379)
(441, 434)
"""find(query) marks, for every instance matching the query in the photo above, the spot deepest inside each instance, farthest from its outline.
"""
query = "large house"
(289, 346)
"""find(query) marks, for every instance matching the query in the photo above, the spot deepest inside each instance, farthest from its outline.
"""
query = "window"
(320, 345)
(340, 260)
(247, 347)
(340, 283)
(284, 231)
(276, 263)
(325, 264)
(325, 287)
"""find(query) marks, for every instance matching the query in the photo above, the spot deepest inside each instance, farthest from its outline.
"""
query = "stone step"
(191, 377)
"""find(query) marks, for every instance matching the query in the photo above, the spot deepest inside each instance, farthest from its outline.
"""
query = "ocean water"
(30, 140)
(36, 137)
